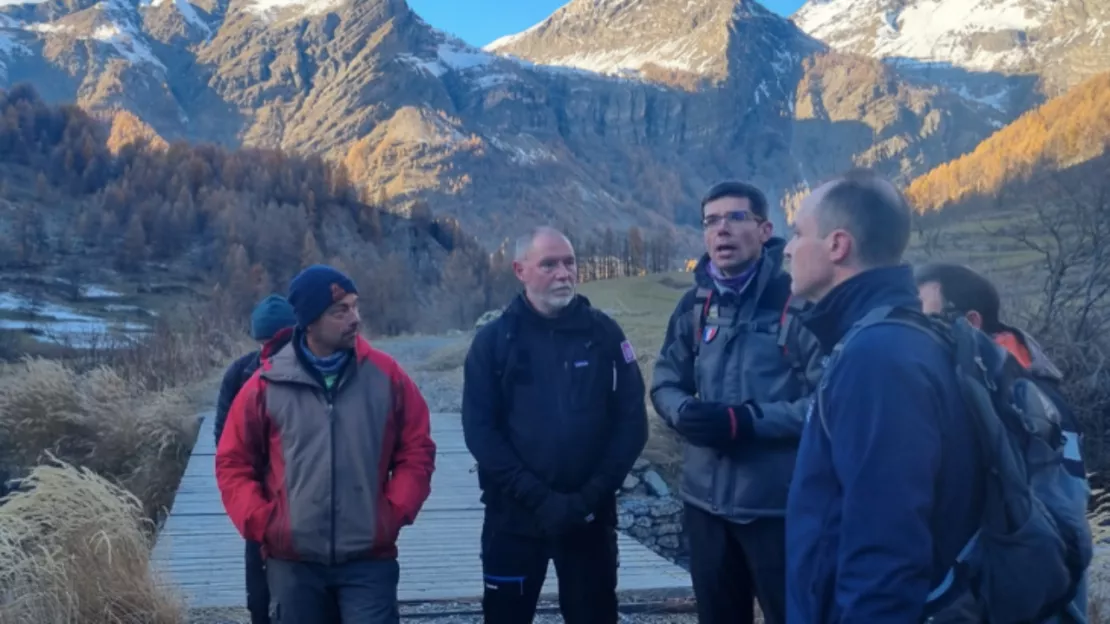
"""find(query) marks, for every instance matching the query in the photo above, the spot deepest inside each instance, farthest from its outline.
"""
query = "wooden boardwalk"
(200, 551)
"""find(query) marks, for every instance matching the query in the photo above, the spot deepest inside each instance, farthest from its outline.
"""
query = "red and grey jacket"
(326, 482)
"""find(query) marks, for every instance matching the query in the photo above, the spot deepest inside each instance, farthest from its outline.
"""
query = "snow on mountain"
(974, 34)
(627, 37)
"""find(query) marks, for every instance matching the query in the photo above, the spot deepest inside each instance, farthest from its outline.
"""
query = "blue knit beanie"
(270, 316)
(314, 290)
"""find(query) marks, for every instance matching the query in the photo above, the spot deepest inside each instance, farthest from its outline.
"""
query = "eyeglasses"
(734, 216)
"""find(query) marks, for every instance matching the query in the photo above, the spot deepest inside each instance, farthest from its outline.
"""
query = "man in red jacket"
(326, 454)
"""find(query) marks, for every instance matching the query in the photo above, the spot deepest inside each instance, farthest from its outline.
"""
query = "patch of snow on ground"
(187, 11)
(997, 101)
(502, 42)
(462, 57)
(98, 292)
(677, 54)
(450, 56)
(307, 7)
(523, 149)
(127, 44)
(54, 323)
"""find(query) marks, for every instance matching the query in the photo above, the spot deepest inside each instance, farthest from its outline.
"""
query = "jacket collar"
(851, 300)
(770, 266)
(282, 363)
(575, 316)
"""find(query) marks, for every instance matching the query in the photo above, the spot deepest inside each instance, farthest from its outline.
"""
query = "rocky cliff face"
(611, 113)
(1008, 54)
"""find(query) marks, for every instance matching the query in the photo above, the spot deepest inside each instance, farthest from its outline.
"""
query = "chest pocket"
(742, 359)
(589, 374)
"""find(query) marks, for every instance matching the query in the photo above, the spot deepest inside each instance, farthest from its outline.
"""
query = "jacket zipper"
(331, 428)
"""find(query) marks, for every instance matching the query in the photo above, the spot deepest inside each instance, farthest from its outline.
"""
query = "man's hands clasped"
(560, 513)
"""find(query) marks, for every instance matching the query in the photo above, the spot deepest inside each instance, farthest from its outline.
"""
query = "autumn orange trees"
(1066, 130)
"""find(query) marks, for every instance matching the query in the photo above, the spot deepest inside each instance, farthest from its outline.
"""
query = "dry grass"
(98, 420)
(101, 438)
(76, 549)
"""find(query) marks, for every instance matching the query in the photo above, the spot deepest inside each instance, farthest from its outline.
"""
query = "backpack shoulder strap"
(702, 298)
(505, 328)
(788, 336)
(879, 315)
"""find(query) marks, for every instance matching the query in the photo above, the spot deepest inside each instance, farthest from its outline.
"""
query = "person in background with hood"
(269, 317)
(953, 290)
(733, 378)
(326, 455)
(888, 487)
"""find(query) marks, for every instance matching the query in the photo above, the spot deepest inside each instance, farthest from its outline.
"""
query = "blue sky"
(480, 21)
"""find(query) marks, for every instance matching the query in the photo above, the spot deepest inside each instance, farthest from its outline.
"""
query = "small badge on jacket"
(626, 350)
(709, 333)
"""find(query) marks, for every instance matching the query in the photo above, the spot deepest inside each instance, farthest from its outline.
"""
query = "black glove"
(715, 425)
(560, 513)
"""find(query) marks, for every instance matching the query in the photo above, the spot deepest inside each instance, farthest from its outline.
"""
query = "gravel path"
(442, 389)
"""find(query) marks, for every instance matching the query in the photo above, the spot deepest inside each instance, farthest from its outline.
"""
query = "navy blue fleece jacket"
(880, 505)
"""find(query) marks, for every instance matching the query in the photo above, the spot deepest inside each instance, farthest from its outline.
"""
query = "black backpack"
(1028, 557)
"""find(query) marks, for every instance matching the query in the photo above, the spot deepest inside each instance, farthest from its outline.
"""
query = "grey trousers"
(312, 593)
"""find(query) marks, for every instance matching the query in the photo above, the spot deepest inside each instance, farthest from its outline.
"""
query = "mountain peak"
(678, 41)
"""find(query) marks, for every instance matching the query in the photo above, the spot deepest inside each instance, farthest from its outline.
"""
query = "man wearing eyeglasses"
(734, 378)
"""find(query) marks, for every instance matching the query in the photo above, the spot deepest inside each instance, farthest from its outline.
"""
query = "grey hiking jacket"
(741, 362)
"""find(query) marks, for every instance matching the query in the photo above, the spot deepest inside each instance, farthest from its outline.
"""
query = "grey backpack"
(1027, 559)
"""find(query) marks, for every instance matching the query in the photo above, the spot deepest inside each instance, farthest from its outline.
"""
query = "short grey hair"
(873, 211)
(524, 241)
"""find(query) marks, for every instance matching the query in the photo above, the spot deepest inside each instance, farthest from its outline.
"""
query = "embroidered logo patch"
(629, 353)
(337, 293)
(709, 333)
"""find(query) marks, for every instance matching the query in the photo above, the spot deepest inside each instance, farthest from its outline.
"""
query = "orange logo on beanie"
(337, 292)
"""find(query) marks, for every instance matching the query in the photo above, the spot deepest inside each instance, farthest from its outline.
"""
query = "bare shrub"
(1066, 225)
(76, 549)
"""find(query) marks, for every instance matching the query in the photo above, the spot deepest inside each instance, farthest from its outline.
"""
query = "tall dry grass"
(98, 420)
(100, 439)
(76, 550)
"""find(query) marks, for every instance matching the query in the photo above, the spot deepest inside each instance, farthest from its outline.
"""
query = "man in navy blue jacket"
(886, 488)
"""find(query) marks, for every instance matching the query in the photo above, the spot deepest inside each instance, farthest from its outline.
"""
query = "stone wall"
(650, 513)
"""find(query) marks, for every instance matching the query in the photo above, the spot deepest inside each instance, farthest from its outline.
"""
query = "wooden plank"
(200, 551)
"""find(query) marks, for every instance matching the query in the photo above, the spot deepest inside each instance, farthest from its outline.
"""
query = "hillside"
(78, 208)
(1065, 131)
(419, 118)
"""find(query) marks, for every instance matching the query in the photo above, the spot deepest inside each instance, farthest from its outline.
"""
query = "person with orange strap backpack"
(954, 291)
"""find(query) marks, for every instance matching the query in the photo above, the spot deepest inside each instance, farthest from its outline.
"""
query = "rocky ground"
(442, 389)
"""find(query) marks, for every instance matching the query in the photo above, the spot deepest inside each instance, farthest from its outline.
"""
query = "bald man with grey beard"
(553, 412)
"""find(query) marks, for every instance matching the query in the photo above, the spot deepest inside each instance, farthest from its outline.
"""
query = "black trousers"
(732, 564)
(356, 592)
(514, 568)
(258, 592)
